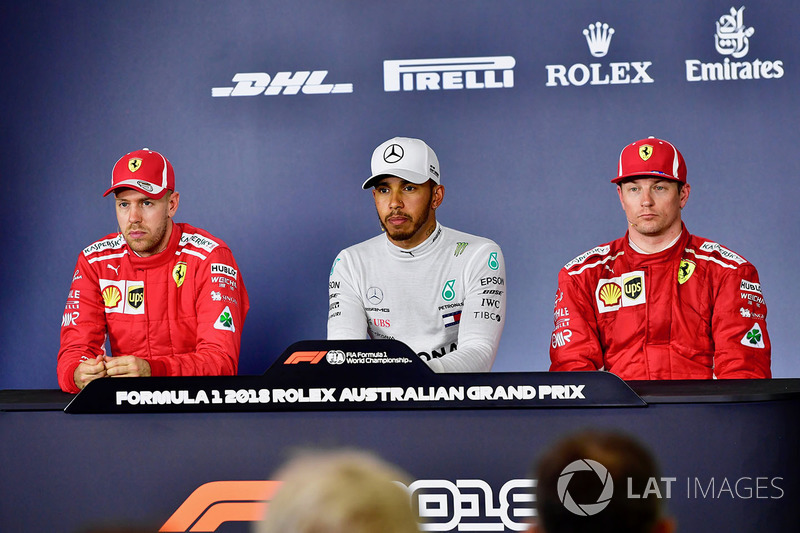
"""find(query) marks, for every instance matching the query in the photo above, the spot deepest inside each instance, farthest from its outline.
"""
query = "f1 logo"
(215, 503)
(304, 357)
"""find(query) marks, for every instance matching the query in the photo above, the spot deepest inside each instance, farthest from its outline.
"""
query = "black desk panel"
(729, 452)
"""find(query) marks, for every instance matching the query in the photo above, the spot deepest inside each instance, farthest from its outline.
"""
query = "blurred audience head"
(339, 492)
(583, 486)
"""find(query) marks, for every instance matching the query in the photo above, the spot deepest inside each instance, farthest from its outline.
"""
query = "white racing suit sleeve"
(346, 316)
(482, 318)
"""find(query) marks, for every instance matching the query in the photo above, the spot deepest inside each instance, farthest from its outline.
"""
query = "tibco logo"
(256, 83)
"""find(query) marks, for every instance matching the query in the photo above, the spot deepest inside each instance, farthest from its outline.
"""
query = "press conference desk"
(732, 447)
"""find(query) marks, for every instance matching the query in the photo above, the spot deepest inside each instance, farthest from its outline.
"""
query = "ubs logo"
(393, 153)
(136, 297)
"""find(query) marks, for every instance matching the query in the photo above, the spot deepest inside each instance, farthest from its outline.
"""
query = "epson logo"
(448, 73)
(256, 83)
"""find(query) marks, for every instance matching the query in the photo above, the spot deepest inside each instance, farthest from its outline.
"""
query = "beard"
(151, 243)
(404, 233)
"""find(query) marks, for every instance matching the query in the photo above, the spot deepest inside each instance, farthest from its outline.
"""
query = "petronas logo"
(493, 263)
(449, 291)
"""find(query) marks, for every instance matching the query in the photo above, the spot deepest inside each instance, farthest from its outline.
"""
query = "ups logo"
(633, 287)
(136, 297)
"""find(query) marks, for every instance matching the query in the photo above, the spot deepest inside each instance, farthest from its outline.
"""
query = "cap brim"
(155, 193)
(646, 175)
(408, 175)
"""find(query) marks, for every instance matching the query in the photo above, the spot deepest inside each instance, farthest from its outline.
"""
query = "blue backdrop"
(527, 132)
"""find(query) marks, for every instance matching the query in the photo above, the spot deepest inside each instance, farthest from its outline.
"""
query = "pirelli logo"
(305, 357)
(217, 502)
(495, 72)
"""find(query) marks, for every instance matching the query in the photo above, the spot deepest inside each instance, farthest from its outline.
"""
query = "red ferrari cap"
(145, 171)
(651, 157)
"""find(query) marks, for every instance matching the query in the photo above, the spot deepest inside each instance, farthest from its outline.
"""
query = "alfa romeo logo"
(393, 153)
(585, 509)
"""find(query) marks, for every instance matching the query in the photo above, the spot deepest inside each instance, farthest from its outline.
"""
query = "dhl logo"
(305, 357)
(217, 502)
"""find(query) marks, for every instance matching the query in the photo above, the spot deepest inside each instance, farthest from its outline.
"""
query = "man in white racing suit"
(440, 291)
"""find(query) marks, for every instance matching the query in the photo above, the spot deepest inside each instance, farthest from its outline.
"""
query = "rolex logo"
(598, 37)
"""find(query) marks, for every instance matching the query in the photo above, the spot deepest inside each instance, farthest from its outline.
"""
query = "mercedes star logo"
(375, 295)
(393, 153)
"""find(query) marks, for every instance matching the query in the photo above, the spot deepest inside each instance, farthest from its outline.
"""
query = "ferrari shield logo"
(685, 271)
(179, 273)
(645, 151)
(134, 164)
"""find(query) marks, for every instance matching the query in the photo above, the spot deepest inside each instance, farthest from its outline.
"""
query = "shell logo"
(610, 293)
(111, 296)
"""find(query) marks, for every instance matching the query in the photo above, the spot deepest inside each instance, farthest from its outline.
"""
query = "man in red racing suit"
(659, 303)
(169, 297)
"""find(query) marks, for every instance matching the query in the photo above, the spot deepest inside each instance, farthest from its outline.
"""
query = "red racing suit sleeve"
(83, 326)
(221, 305)
(742, 347)
(575, 342)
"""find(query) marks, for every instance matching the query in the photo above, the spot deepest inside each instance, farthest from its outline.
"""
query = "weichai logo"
(217, 502)
(304, 357)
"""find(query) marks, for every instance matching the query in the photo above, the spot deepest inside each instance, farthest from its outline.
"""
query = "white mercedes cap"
(403, 157)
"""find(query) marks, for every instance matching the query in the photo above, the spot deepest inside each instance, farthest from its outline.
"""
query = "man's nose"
(135, 214)
(395, 200)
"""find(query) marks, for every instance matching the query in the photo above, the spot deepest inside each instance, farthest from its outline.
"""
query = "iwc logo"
(393, 153)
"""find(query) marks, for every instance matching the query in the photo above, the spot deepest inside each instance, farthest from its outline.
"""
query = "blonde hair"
(339, 492)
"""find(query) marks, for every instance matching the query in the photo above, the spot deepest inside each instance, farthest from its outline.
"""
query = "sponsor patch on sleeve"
(599, 250)
(225, 270)
(225, 321)
(724, 252)
(754, 338)
(195, 239)
(749, 286)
